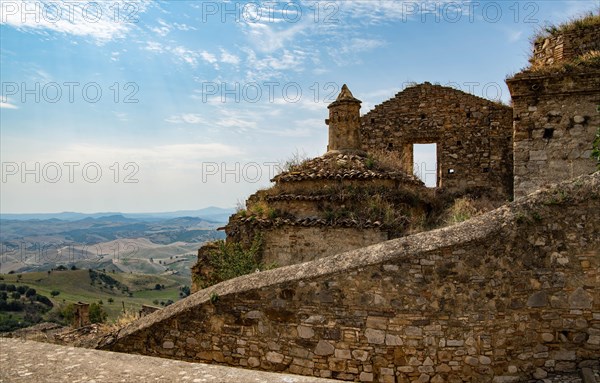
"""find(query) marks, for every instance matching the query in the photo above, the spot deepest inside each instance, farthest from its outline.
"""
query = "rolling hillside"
(77, 285)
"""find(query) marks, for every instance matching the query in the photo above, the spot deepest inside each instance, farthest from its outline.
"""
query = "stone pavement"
(29, 361)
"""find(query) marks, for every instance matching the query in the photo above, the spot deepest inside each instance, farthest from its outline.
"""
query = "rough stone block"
(324, 348)
(274, 357)
(538, 299)
(580, 299)
(375, 336)
(305, 332)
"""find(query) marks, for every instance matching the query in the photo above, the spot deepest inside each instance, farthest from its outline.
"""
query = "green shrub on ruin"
(596, 149)
(228, 260)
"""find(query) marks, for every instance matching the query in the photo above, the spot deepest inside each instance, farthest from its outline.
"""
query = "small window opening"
(486, 170)
(548, 133)
(422, 116)
(468, 114)
(372, 121)
(458, 143)
(450, 171)
(390, 146)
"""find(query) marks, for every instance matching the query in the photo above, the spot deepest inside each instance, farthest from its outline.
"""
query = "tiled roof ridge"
(308, 222)
(340, 167)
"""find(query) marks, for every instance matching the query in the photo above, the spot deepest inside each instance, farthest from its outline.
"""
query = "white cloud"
(184, 27)
(208, 57)
(7, 105)
(154, 46)
(361, 45)
(94, 20)
(163, 29)
(235, 122)
(266, 38)
(186, 55)
(381, 11)
(124, 117)
(229, 58)
(186, 118)
(171, 154)
(272, 66)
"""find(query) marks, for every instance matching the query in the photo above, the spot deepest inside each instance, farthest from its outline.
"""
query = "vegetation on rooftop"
(589, 20)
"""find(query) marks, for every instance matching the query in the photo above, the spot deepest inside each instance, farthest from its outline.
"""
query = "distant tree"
(49, 271)
(30, 293)
(73, 267)
(10, 288)
(100, 302)
(67, 313)
(185, 290)
(2, 286)
(43, 299)
(22, 289)
(154, 301)
(61, 268)
(3, 295)
(15, 295)
(168, 302)
(157, 286)
(110, 300)
(11, 272)
(97, 313)
(54, 293)
(19, 276)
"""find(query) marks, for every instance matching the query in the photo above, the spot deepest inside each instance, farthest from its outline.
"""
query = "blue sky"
(141, 106)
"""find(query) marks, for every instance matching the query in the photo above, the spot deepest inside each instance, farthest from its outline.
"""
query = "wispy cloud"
(208, 57)
(84, 19)
(171, 154)
(185, 55)
(162, 29)
(382, 11)
(4, 104)
(186, 118)
(229, 58)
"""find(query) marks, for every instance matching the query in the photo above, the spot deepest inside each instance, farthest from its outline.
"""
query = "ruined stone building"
(351, 198)
(473, 135)
(556, 105)
(340, 201)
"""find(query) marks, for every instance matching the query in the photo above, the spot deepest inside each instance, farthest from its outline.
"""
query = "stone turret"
(344, 124)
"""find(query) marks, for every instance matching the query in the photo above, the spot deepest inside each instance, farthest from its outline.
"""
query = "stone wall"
(556, 119)
(473, 135)
(508, 295)
(564, 47)
(288, 245)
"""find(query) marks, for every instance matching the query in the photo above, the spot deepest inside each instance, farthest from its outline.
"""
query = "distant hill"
(211, 214)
